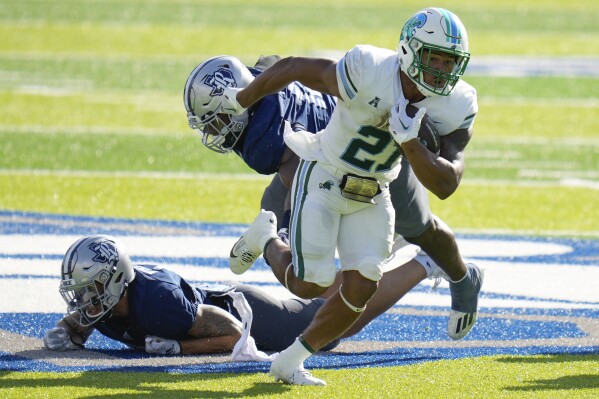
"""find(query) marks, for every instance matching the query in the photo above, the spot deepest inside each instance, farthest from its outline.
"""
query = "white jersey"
(452, 112)
(357, 138)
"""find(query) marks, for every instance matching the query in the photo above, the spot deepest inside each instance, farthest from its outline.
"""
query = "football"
(428, 133)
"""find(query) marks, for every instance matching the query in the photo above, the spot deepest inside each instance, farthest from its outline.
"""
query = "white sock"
(426, 262)
(296, 353)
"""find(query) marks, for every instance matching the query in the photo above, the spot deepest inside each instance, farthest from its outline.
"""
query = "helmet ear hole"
(119, 278)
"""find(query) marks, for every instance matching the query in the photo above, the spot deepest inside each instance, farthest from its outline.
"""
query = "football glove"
(230, 105)
(162, 346)
(58, 339)
(402, 127)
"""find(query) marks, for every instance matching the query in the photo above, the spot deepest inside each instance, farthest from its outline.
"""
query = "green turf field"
(537, 377)
(92, 123)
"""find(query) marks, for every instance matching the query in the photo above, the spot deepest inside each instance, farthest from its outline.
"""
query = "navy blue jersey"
(161, 303)
(261, 145)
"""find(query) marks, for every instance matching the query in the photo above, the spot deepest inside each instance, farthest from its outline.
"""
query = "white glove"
(230, 105)
(402, 127)
(58, 339)
(162, 346)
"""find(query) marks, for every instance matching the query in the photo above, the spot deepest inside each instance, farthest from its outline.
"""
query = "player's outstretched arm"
(316, 73)
(215, 330)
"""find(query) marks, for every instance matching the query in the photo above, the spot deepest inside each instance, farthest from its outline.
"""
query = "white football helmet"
(203, 98)
(96, 271)
(428, 31)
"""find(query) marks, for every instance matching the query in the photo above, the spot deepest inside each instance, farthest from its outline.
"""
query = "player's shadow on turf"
(146, 386)
(585, 381)
(581, 381)
(559, 358)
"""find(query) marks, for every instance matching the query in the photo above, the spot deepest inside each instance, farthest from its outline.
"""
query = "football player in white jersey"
(341, 189)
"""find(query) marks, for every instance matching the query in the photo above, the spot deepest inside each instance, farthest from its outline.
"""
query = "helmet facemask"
(91, 300)
(96, 272)
(429, 32)
(443, 82)
(220, 132)
(202, 97)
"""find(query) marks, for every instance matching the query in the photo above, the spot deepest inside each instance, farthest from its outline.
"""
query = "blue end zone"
(388, 327)
(514, 331)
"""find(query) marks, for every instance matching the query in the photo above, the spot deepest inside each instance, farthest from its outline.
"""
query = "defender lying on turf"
(153, 309)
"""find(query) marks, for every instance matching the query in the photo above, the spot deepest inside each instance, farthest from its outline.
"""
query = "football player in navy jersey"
(153, 309)
(256, 135)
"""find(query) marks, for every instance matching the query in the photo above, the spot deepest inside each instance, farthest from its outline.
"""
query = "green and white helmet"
(95, 273)
(433, 30)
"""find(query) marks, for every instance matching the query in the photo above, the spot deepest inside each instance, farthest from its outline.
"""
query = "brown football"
(428, 133)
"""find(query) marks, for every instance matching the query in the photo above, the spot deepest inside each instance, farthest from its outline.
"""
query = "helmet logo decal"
(222, 78)
(409, 29)
(105, 252)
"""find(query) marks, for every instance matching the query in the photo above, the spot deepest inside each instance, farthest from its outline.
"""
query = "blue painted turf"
(498, 325)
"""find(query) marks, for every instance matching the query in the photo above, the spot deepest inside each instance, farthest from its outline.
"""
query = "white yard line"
(86, 129)
(522, 66)
(515, 163)
(523, 232)
(517, 66)
(540, 101)
(555, 285)
(572, 179)
(96, 129)
(541, 141)
(132, 174)
(562, 180)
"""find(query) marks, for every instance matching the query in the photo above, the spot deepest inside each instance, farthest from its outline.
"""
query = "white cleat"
(249, 247)
(460, 324)
(294, 376)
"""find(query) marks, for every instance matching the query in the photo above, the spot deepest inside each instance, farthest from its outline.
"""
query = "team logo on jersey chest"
(375, 102)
